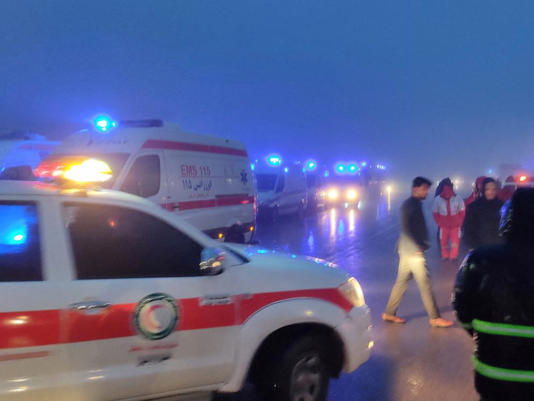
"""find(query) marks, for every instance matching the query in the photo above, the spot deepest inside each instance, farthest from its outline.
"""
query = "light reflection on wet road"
(411, 362)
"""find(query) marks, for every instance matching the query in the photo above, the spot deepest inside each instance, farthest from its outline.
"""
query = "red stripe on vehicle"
(24, 355)
(193, 147)
(220, 201)
(38, 328)
(29, 328)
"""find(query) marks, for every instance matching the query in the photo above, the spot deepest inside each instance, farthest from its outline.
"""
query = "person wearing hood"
(449, 213)
(494, 303)
(477, 191)
(481, 226)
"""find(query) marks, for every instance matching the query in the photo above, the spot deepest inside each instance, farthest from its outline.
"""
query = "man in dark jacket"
(413, 242)
(481, 225)
(494, 301)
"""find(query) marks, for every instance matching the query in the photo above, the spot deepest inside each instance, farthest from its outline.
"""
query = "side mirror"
(211, 261)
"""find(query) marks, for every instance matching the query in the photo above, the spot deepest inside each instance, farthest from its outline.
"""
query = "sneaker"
(392, 319)
(440, 322)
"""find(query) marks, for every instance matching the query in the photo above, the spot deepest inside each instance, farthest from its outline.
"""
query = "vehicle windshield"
(266, 182)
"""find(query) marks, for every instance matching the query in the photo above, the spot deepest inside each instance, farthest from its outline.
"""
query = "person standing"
(449, 212)
(413, 242)
(477, 191)
(494, 303)
(481, 226)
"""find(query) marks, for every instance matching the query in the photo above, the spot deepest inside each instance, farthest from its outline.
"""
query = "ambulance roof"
(128, 139)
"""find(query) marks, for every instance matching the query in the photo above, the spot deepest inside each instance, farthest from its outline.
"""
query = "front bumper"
(355, 332)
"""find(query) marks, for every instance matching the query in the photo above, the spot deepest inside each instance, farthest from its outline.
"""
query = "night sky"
(427, 87)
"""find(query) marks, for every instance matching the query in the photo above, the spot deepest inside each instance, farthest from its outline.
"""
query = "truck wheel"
(298, 373)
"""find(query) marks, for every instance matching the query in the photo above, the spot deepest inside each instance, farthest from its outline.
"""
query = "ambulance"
(205, 179)
(106, 296)
(21, 152)
(282, 189)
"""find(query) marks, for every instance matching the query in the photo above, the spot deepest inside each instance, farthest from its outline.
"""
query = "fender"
(271, 318)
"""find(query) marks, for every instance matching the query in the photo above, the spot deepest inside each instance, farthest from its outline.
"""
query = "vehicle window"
(143, 179)
(266, 182)
(281, 183)
(20, 250)
(110, 242)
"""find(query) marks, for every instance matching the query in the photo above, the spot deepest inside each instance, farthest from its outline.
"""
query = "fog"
(432, 88)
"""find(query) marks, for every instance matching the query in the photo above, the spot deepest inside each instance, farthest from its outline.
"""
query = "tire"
(297, 372)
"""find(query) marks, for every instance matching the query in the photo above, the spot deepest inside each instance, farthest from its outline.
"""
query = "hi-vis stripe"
(502, 329)
(510, 375)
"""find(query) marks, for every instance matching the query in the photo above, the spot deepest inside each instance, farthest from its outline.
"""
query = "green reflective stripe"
(510, 375)
(502, 329)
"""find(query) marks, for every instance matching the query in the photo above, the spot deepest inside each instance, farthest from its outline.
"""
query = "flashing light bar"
(311, 165)
(104, 123)
(274, 160)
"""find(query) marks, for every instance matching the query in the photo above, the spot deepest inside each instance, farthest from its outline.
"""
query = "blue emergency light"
(311, 165)
(104, 123)
(340, 168)
(353, 168)
(274, 160)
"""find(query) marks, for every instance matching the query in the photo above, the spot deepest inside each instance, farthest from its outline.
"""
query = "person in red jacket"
(449, 213)
(477, 191)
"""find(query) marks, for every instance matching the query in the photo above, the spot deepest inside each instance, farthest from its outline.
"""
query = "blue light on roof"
(286, 170)
(104, 123)
(311, 165)
(364, 164)
(252, 166)
(274, 160)
(340, 168)
(352, 168)
(326, 173)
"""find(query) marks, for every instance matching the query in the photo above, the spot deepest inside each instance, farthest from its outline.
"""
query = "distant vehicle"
(106, 296)
(205, 179)
(21, 153)
(315, 183)
(281, 190)
(343, 190)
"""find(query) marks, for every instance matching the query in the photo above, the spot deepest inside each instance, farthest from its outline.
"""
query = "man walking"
(413, 242)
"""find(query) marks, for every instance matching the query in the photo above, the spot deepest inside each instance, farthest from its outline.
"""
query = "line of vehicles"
(121, 295)
(208, 180)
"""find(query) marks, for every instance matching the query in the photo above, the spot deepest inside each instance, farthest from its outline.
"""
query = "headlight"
(352, 194)
(333, 194)
(352, 291)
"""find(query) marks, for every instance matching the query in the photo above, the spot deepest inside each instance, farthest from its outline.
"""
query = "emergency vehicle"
(205, 179)
(282, 188)
(106, 296)
(21, 152)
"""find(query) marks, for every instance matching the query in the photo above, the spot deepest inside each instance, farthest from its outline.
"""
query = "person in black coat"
(482, 218)
(494, 303)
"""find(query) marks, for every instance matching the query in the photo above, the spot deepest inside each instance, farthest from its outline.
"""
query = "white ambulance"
(282, 189)
(205, 179)
(106, 296)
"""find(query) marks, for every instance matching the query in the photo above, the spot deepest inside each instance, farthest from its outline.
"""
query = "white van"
(281, 190)
(21, 153)
(206, 179)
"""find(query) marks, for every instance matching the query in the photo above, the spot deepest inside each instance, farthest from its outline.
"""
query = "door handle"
(89, 305)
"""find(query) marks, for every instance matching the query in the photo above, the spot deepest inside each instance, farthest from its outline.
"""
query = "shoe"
(392, 319)
(440, 322)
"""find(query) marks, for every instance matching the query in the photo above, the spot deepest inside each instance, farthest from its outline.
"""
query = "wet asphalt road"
(409, 362)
